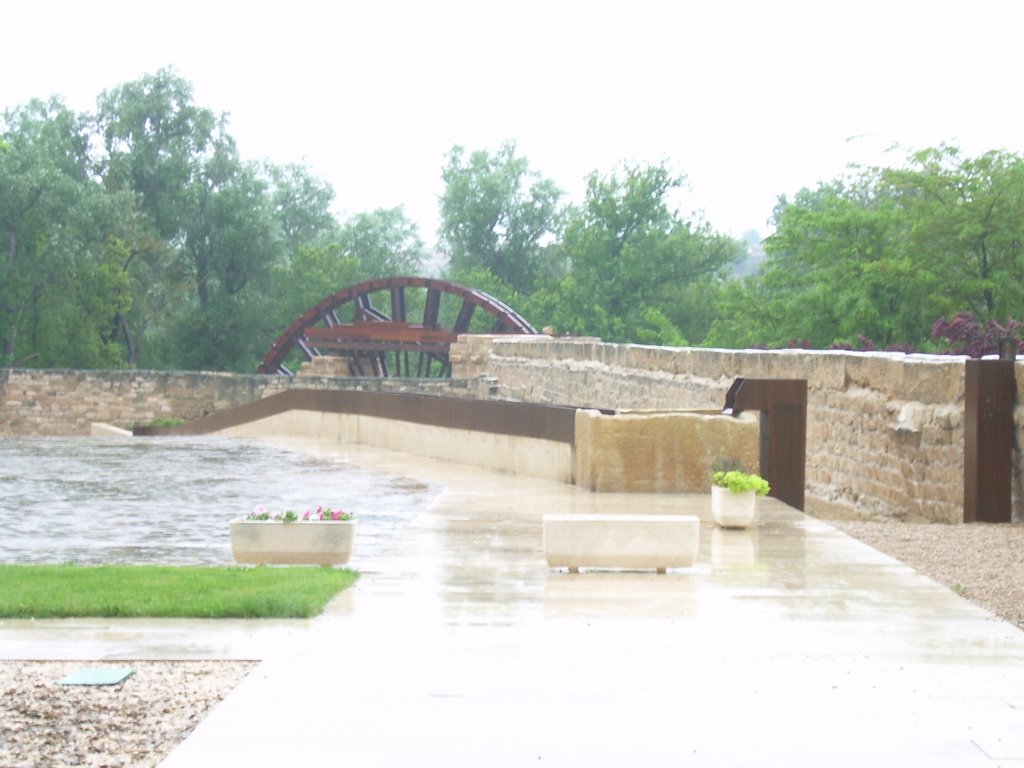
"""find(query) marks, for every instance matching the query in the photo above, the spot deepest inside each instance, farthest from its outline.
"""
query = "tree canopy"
(138, 235)
(497, 214)
(634, 266)
(883, 254)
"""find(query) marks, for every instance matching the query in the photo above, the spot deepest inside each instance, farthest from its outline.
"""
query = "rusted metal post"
(990, 387)
(783, 407)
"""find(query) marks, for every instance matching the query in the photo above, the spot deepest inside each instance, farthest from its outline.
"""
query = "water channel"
(169, 500)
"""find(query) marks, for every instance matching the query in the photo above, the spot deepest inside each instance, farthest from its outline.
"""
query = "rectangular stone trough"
(621, 541)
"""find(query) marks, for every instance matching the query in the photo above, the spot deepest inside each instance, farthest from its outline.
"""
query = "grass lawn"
(61, 591)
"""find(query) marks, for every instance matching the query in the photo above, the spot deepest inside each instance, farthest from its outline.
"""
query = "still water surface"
(169, 500)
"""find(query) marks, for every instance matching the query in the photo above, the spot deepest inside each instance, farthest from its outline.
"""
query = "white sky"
(748, 99)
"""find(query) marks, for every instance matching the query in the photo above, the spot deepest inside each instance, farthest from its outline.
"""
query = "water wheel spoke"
(304, 346)
(465, 316)
(398, 303)
(357, 365)
(433, 308)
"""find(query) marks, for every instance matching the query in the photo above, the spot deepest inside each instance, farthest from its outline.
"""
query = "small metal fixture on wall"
(1008, 348)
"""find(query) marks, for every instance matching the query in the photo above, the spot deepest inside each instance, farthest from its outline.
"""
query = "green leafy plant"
(321, 513)
(165, 422)
(737, 481)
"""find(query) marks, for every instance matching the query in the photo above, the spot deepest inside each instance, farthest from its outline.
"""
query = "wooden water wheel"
(394, 326)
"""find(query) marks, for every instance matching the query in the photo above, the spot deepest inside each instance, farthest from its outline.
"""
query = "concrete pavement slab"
(785, 644)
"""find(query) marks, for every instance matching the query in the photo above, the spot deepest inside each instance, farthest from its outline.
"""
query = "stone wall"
(660, 451)
(885, 432)
(61, 402)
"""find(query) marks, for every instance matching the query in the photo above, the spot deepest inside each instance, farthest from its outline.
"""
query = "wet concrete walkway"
(789, 644)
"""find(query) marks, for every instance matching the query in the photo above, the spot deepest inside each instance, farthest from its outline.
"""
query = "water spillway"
(169, 500)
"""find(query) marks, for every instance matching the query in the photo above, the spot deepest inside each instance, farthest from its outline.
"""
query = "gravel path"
(137, 723)
(982, 562)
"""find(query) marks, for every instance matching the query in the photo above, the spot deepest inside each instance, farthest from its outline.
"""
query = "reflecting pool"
(169, 500)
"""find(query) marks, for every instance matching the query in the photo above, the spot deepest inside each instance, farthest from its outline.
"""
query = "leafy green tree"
(223, 231)
(881, 255)
(965, 225)
(60, 291)
(636, 267)
(837, 269)
(384, 243)
(233, 243)
(302, 206)
(497, 214)
(156, 141)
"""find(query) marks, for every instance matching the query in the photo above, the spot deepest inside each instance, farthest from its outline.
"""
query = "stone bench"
(621, 541)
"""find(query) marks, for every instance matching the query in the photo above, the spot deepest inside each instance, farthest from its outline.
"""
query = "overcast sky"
(749, 100)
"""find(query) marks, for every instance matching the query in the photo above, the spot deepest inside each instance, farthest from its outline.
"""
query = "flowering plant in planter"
(290, 516)
(257, 540)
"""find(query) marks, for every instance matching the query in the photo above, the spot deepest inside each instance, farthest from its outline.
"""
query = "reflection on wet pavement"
(788, 644)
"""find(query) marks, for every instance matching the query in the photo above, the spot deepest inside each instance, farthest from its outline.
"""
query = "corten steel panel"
(560, 424)
(484, 416)
(399, 407)
(434, 411)
(990, 388)
(523, 419)
(783, 440)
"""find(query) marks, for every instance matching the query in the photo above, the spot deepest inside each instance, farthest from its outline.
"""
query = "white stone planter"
(301, 542)
(621, 541)
(731, 509)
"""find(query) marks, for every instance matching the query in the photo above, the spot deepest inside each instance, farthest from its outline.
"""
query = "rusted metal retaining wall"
(543, 422)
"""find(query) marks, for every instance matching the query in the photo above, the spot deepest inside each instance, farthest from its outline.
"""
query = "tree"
(302, 206)
(384, 242)
(156, 141)
(881, 255)
(965, 224)
(224, 231)
(60, 284)
(497, 214)
(837, 270)
(635, 264)
(233, 244)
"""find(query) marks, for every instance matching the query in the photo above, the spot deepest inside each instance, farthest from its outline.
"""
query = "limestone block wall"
(63, 402)
(885, 432)
(659, 452)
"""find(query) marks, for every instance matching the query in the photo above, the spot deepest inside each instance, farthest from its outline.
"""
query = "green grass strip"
(156, 591)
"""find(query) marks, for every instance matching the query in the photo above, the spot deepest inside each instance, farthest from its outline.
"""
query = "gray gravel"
(136, 723)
